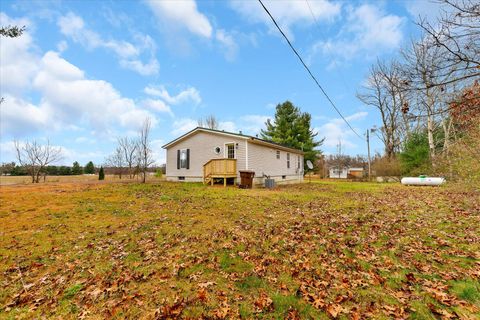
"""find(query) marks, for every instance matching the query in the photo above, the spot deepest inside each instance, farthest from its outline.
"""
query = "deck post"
(224, 173)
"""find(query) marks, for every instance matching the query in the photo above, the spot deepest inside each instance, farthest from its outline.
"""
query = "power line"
(308, 70)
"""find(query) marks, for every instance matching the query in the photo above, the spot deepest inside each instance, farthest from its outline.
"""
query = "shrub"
(101, 174)
(461, 162)
(158, 173)
(385, 167)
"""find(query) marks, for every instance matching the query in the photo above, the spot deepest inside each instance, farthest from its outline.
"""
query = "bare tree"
(34, 157)
(382, 93)
(210, 122)
(129, 149)
(425, 70)
(456, 33)
(144, 151)
(116, 161)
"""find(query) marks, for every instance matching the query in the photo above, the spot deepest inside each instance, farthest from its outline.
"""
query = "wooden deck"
(219, 168)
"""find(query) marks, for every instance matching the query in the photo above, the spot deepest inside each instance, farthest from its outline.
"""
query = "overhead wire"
(308, 70)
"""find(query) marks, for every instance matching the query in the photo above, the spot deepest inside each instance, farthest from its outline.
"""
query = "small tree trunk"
(431, 142)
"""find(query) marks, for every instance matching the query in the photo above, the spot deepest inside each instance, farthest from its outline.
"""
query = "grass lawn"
(168, 250)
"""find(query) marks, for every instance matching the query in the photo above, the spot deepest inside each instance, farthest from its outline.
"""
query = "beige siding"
(202, 145)
(263, 160)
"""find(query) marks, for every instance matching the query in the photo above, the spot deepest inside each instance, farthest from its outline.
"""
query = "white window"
(288, 160)
(278, 154)
(183, 159)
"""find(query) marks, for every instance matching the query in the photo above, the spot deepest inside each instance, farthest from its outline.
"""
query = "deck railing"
(219, 168)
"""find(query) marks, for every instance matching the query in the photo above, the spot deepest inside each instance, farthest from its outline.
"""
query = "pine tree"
(101, 174)
(89, 168)
(291, 128)
(76, 169)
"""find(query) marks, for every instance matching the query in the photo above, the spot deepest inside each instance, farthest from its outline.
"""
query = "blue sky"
(86, 72)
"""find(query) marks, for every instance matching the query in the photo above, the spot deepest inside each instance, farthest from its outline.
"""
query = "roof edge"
(242, 136)
(185, 135)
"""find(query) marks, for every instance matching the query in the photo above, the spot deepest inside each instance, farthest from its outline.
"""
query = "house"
(202, 155)
(344, 173)
(338, 173)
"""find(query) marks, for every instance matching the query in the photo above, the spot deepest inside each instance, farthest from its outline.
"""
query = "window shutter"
(188, 158)
(178, 159)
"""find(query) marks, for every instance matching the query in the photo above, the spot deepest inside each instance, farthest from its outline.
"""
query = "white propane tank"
(422, 181)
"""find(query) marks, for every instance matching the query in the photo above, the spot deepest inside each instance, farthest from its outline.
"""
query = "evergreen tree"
(415, 157)
(51, 170)
(64, 171)
(291, 128)
(89, 168)
(101, 174)
(76, 169)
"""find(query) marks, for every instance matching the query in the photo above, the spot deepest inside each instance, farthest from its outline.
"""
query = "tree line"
(13, 169)
(133, 155)
(428, 97)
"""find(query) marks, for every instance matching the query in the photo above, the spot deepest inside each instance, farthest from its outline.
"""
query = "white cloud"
(182, 126)
(367, 30)
(145, 69)
(62, 46)
(157, 105)
(17, 62)
(336, 130)
(64, 89)
(228, 43)
(129, 54)
(158, 153)
(19, 117)
(228, 126)
(182, 14)
(66, 97)
(288, 13)
(7, 151)
(188, 95)
(252, 124)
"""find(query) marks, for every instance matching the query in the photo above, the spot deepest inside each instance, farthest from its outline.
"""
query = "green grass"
(233, 264)
(468, 290)
(70, 292)
(136, 250)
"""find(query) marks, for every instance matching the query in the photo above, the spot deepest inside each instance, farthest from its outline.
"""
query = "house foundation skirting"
(256, 180)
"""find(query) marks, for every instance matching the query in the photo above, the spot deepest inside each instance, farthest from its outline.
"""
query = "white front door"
(230, 151)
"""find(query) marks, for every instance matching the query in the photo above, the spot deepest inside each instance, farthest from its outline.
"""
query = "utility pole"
(339, 156)
(369, 161)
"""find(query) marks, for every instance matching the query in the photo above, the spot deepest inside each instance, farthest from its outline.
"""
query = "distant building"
(338, 173)
(344, 173)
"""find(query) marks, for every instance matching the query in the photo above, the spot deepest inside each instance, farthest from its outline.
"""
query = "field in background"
(168, 250)
(15, 180)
